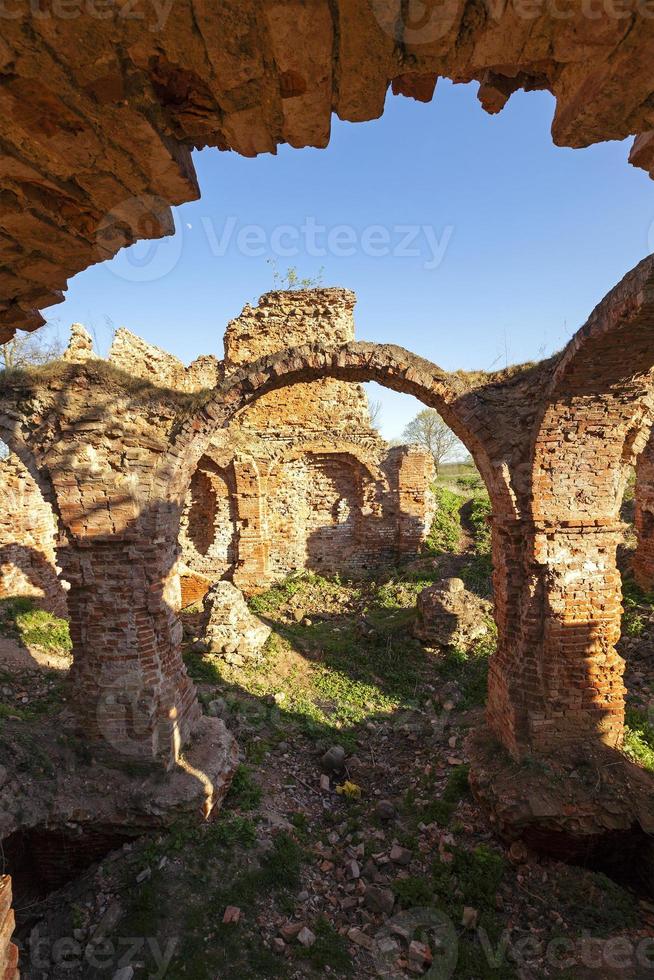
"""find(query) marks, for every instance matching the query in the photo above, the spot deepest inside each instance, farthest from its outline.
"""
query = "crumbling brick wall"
(553, 442)
(8, 952)
(28, 563)
(330, 495)
(301, 478)
(643, 562)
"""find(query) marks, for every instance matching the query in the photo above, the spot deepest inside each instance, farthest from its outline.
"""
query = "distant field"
(449, 473)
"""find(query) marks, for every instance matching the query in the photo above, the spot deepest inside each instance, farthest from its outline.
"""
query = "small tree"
(429, 430)
(29, 350)
(374, 410)
(291, 279)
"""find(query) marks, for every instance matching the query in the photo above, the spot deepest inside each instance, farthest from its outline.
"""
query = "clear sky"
(469, 239)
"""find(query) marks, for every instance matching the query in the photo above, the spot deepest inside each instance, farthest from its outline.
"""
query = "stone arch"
(390, 366)
(179, 87)
(599, 407)
(557, 677)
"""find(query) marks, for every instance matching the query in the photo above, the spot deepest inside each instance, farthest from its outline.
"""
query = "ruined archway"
(120, 471)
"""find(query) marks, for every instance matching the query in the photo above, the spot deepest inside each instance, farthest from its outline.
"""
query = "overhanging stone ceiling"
(103, 101)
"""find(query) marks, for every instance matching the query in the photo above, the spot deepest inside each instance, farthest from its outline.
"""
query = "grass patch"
(472, 879)
(329, 950)
(639, 739)
(470, 671)
(244, 793)
(636, 604)
(35, 627)
(445, 532)
(202, 669)
(479, 516)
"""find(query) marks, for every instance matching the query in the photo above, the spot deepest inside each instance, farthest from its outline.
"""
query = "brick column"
(415, 474)
(119, 553)
(8, 952)
(556, 678)
(128, 681)
(643, 563)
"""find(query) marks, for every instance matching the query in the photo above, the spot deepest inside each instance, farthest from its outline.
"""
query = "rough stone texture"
(553, 442)
(80, 346)
(299, 479)
(593, 807)
(643, 561)
(311, 484)
(8, 952)
(99, 114)
(142, 360)
(449, 615)
(231, 629)
(28, 562)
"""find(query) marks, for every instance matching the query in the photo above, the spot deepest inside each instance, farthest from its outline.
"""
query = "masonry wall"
(323, 492)
(28, 564)
(301, 478)
(8, 952)
(643, 563)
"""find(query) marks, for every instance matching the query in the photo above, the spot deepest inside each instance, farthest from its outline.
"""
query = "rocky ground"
(349, 845)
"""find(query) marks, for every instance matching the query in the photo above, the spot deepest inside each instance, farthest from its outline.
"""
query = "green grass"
(636, 603)
(329, 950)
(438, 809)
(480, 513)
(472, 879)
(639, 738)
(35, 627)
(244, 793)
(445, 532)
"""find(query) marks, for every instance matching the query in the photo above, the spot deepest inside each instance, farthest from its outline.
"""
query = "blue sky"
(469, 239)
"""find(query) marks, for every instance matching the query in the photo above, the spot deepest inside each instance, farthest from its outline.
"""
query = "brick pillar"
(415, 474)
(8, 952)
(643, 563)
(128, 681)
(253, 544)
(556, 678)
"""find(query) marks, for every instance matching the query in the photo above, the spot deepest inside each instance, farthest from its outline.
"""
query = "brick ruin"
(643, 563)
(119, 455)
(99, 119)
(301, 479)
(139, 93)
(28, 562)
(554, 442)
(292, 483)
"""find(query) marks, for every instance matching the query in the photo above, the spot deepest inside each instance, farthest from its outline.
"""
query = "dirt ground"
(349, 845)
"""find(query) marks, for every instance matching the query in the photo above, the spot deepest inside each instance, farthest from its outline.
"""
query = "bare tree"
(429, 430)
(29, 350)
(374, 410)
